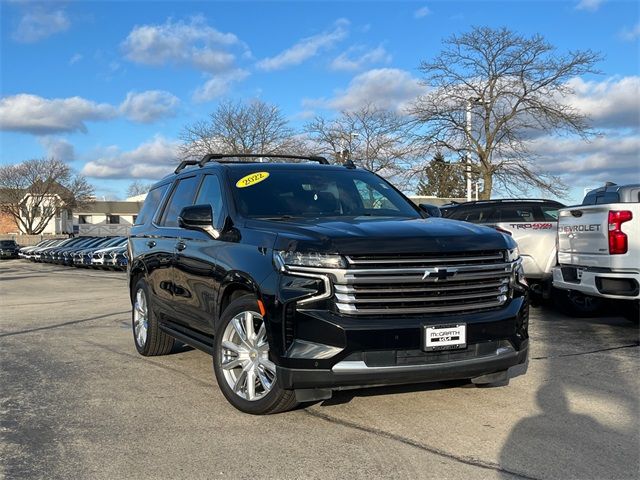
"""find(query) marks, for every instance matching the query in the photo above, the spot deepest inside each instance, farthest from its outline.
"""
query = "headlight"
(512, 255)
(311, 259)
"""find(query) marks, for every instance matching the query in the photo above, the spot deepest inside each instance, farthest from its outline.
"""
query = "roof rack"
(216, 157)
(507, 200)
(185, 163)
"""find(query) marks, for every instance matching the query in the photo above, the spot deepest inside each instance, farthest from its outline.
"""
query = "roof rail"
(216, 157)
(185, 163)
(508, 200)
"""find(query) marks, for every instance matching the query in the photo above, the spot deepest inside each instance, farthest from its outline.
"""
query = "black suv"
(302, 278)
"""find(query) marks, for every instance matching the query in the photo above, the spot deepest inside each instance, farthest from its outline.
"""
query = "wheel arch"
(233, 286)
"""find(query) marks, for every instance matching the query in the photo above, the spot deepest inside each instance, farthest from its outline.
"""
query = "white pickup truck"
(599, 251)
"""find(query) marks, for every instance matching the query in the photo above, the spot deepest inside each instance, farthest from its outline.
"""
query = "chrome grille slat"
(436, 288)
(342, 298)
(418, 278)
(396, 284)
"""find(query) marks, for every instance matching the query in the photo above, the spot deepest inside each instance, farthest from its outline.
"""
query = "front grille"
(417, 284)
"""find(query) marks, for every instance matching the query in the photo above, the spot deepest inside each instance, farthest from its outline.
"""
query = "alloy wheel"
(245, 357)
(140, 318)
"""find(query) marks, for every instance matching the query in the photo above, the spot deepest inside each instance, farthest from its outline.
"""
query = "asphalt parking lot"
(77, 401)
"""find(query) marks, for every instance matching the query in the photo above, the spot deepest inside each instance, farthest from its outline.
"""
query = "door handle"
(181, 246)
(151, 244)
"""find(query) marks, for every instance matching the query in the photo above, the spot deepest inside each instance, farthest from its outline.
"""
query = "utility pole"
(468, 159)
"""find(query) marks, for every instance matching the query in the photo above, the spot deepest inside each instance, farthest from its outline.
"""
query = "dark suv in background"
(303, 278)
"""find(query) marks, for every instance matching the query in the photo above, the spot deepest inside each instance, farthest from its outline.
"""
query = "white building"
(105, 218)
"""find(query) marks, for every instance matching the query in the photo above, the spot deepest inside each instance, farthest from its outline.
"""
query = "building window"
(113, 219)
(84, 219)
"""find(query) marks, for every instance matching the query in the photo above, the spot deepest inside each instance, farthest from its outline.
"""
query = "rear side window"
(599, 198)
(549, 213)
(474, 214)
(151, 204)
(514, 213)
(182, 196)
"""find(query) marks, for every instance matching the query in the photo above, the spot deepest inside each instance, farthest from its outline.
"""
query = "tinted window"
(211, 193)
(181, 197)
(549, 213)
(608, 197)
(514, 213)
(317, 193)
(151, 204)
(479, 214)
(7, 243)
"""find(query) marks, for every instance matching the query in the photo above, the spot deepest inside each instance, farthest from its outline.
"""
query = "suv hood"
(366, 235)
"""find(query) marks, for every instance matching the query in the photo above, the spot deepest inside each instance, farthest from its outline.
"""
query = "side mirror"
(198, 217)
(430, 210)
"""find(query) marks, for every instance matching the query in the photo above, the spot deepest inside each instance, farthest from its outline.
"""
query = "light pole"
(470, 101)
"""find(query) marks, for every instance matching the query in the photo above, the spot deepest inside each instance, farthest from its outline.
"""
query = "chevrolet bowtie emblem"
(439, 273)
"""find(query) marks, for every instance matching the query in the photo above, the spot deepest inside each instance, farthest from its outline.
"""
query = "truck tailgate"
(583, 236)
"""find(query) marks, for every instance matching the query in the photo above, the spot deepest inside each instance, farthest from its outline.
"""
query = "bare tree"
(513, 88)
(36, 190)
(237, 127)
(138, 187)
(377, 139)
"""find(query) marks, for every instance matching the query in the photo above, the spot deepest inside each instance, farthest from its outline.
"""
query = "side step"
(195, 339)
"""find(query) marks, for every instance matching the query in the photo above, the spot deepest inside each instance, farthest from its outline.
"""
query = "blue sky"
(107, 86)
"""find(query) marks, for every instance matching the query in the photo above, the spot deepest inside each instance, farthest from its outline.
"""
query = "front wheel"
(245, 374)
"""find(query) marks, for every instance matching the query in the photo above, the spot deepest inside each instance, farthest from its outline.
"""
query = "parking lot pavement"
(77, 401)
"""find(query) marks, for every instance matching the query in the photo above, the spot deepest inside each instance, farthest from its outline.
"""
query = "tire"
(147, 336)
(631, 310)
(577, 304)
(245, 358)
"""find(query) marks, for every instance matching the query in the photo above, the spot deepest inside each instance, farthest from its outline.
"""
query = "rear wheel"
(147, 336)
(245, 374)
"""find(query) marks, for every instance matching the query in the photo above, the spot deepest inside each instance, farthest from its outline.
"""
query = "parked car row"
(96, 252)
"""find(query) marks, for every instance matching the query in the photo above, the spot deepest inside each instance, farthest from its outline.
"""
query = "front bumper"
(598, 282)
(8, 254)
(336, 352)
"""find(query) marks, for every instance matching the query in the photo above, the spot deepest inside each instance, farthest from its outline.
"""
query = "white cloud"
(39, 23)
(195, 44)
(40, 116)
(422, 12)
(149, 106)
(357, 58)
(589, 5)
(75, 58)
(389, 88)
(218, 85)
(630, 34)
(150, 160)
(612, 103)
(306, 48)
(58, 148)
(605, 158)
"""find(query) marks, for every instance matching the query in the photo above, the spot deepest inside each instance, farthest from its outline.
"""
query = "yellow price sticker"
(252, 179)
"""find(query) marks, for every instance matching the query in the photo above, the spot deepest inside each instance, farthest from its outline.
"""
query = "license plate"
(445, 337)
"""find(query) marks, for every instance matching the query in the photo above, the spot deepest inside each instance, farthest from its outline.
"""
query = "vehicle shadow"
(341, 397)
(586, 424)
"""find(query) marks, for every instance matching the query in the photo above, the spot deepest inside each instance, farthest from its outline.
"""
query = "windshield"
(7, 243)
(316, 193)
